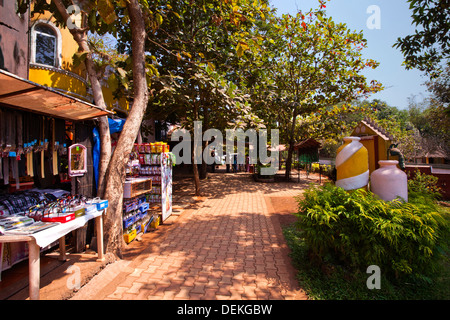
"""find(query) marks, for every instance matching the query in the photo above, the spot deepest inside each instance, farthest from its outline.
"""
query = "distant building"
(437, 157)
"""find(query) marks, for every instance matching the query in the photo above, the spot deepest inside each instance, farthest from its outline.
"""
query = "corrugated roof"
(377, 129)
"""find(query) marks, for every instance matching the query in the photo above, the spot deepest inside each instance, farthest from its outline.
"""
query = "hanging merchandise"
(31, 147)
(146, 205)
(115, 125)
(77, 160)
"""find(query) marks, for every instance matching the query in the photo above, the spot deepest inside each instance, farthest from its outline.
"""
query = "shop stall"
(43, 163)
(147, 189)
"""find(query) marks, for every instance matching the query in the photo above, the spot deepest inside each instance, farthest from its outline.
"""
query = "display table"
(40, 239)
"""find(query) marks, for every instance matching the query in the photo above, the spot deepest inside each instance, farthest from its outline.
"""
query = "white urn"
(389, 182)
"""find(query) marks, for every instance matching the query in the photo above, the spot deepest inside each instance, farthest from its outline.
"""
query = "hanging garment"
(30, 170)
(27, 126)
(15, 171)
(19, 133)
(13, 130)
(2, 131)
(54, 152)
(6, 170)
(42, 148)
(8, 131)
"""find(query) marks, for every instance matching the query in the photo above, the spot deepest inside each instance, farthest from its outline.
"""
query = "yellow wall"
(111, 102)
(369, 145)
(67, 83)
(69, 45)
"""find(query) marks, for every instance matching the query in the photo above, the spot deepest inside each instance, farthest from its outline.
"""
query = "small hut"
(376, 140)
(308, 151)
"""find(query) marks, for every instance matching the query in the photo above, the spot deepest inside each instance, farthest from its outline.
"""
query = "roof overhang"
(22, 94)
(307, 144)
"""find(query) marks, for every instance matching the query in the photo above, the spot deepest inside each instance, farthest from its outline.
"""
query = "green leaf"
(122, 72)
(106, 10)
(112, 82)
(159, 19)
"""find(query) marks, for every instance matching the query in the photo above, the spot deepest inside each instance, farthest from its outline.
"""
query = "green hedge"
(358, 229)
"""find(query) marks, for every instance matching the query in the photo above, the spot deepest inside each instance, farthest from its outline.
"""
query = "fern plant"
(359, 229)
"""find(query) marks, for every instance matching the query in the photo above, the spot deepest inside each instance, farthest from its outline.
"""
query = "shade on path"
(228, 246)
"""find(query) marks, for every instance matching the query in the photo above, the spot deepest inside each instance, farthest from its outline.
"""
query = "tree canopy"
(428, 49)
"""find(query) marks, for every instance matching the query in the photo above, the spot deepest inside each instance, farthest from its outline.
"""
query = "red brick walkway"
(229, 247)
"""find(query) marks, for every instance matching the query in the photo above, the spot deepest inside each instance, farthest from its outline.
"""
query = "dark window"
(45, 45)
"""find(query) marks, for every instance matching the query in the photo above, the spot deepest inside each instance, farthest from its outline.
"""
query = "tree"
(313, 62)
(440, 89)
(110, 16)
(428, 47)
(80, 35)
(399, 126)
(197, 50)
(116, 169)
(429, 118)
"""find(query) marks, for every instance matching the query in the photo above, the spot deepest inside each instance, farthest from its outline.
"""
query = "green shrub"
(358, 229)
(423, 184)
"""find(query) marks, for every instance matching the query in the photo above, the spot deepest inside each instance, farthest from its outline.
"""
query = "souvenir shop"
(147, 194)
(147, 191)
(47, 189)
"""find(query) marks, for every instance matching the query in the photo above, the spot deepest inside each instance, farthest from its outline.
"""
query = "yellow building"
(376, 140)
(51, 62)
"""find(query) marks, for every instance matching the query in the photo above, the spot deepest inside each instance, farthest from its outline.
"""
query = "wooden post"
(99, 231)
(62, 248)
(34, 269)
(80, 239)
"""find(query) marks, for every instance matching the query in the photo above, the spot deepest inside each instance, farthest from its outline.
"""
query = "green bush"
(424, 185)
(358, 229)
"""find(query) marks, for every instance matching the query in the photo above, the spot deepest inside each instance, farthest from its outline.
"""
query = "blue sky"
(395, 21)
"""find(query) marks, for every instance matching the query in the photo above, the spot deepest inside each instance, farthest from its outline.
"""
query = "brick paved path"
(229, 247)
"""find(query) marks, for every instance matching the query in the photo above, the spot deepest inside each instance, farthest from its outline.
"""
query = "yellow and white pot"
(352, 165)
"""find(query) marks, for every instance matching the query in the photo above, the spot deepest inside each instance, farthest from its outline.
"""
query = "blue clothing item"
(115, 125)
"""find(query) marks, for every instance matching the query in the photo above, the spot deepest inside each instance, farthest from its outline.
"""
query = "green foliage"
(429, 46)
(358, 229)
(334, 281)
(424, 185)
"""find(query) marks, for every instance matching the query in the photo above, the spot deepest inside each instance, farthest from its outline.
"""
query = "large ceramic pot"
(352, 165)
(389, 182)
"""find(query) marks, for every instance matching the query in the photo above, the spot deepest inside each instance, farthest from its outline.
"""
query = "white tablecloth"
(47, 236)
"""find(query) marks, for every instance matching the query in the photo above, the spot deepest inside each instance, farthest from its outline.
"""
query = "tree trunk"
(194, 152)
(195, 171)
(116, 170)
(291, 147)
(204, 167)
